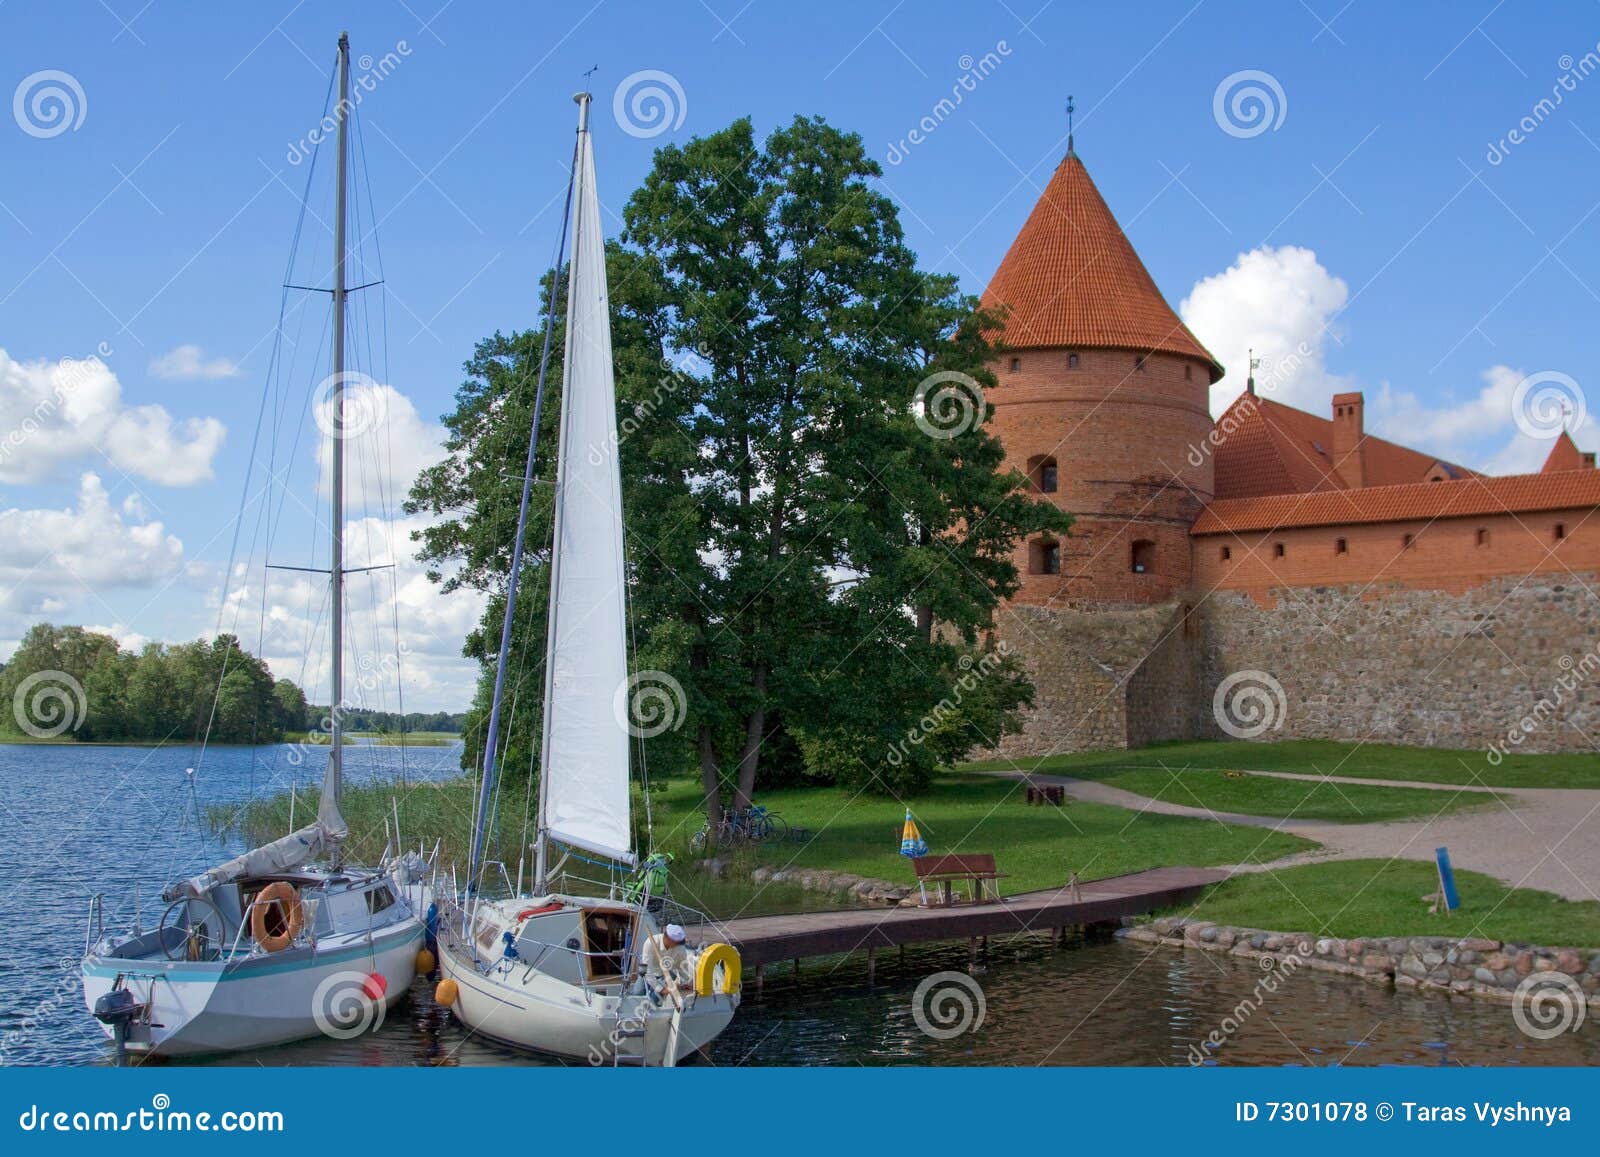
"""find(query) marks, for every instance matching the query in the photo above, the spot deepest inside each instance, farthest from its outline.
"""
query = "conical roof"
(1071, 278)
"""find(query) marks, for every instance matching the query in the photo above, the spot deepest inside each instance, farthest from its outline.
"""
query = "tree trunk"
(755, 726)
(710, 782)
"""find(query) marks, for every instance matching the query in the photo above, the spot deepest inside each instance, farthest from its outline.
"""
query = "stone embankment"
(1469, 966)
(843, 885)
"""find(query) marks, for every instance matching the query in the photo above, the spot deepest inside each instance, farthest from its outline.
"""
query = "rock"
(1377, 962)
(1208, 933)
(1272, 943)
(1497, 962)
(1356, 947)
(1594, 964)
(1224, 938)
(1569, 962)
(1543, 964)
(1432, 959)
(1484, 976)
(1412, 966)
(1523, 964)
(761, 875)
(1478, 944)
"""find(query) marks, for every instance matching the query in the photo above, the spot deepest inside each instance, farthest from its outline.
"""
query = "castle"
(1273, 573)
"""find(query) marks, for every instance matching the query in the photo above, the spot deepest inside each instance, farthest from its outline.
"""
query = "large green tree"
(811, 558)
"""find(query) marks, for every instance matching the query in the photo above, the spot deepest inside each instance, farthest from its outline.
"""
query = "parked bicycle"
(750, 825)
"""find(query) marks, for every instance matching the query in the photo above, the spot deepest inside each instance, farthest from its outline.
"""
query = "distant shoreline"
(350, 741)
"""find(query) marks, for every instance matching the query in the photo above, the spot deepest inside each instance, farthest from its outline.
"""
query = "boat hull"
(198, 1008)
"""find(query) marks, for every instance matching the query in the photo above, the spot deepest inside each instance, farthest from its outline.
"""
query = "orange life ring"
(276, 916)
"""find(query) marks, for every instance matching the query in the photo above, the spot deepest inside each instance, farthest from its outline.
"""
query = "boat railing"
(96, 924)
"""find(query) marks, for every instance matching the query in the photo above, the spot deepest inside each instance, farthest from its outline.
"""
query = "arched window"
(1072, 361)
(1483, 536)
(1044, 556)
(1043, 474)
(1144, 556)
(1016, 364)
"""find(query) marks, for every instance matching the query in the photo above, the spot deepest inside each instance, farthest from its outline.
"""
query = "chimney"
(1349, 440)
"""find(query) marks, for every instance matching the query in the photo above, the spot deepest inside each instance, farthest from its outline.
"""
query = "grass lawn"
(1310, 756)
(1038, 846)
(409, 738)
(1382, 898)
(1262, 795)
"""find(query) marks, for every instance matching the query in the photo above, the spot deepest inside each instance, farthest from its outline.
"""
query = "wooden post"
(872, 964)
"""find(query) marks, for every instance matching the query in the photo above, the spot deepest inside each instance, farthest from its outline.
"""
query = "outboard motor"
(119, 1008)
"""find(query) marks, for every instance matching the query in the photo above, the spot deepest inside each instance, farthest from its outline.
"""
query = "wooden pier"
(762, 940)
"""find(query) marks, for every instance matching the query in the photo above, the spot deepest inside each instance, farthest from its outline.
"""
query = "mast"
(333, 787)
(503, 659)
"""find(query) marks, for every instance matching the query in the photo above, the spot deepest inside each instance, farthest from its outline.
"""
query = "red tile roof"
(1071, 278)
(1265, 447)
(1466, 497)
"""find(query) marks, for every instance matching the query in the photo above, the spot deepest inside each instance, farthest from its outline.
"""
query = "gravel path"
(1544, 838)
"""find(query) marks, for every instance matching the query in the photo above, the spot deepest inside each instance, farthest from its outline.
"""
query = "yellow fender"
(705, 972)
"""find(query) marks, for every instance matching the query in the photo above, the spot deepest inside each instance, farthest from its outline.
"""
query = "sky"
(1400, 199)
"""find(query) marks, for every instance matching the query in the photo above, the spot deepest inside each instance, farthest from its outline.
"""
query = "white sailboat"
(547, 971)
(287, 940)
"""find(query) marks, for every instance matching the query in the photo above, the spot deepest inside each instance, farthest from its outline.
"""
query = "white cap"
(675, 932)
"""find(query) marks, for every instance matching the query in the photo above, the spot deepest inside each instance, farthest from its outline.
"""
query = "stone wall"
(1514, 658)
(1466, 966)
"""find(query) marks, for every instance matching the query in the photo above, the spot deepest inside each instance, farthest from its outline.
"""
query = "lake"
(81, 820)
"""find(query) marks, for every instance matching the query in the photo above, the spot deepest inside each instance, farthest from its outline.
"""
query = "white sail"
(585, 760)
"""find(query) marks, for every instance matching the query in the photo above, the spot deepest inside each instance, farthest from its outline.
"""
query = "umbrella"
(911, 841)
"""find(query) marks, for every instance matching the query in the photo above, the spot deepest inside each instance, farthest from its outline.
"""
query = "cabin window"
(1016, 364)
(1072, 361)
(1341, 546)
(379, 898)
(1483, 536)
(1044, 557)
(1277, 550)
(1561, 531)
(1227, 553)
(606, 934)
(1144, 556)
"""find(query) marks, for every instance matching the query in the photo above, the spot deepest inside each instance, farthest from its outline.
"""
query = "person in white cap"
(664, 961)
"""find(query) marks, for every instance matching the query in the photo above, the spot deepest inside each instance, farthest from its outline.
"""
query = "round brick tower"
(1103, 402)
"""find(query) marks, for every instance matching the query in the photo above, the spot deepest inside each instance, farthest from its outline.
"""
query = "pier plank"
(765, 939)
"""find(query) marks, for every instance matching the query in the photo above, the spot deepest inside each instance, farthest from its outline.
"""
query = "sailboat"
(550, 971)
(287, 940)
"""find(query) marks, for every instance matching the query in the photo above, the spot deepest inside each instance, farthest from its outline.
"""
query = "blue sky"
(1381, 231)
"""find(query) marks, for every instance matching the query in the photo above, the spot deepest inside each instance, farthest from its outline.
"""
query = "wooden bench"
(1047, 793)
(978, 869)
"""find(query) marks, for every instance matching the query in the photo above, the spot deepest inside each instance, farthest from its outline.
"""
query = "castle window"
(1341, 546)
(1483, 536)
(1144, 556)
(1016, 364)
(1047, 476)
(1044, 557)
(1072, 361)
(1277, 550)
(1188, 373)
(1227, 553)
(1138, 363)
(1406, 541)
(1561, 531)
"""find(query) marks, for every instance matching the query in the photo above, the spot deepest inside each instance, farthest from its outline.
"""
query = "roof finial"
(1069, 124)
(1250, 382)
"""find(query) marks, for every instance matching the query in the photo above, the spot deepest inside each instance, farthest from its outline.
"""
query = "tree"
(795, 534)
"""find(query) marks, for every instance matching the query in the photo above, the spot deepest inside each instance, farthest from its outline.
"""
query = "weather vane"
(1069, 122)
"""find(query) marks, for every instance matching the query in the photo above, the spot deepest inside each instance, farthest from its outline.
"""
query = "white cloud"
(188, 363)
(394, 444)
(128, 640)
(1282, 303)
(47, 556)
(54, 414)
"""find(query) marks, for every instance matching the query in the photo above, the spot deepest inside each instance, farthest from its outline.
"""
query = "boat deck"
(762, 940)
